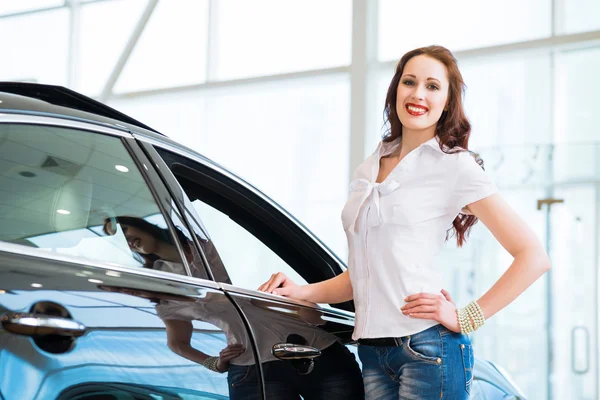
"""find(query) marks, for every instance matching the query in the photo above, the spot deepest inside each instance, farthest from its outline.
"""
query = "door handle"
(586, 351)
(300, 356)
(30, 324)
(289, 351)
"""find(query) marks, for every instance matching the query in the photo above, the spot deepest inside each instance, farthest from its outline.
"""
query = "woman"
(419, 186)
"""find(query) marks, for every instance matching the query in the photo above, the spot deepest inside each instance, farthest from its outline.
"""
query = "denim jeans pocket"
(427, 348)
(238, 374)
(467, 357)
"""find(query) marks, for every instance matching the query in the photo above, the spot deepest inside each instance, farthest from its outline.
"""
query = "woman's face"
(139, 240)
(422, 93)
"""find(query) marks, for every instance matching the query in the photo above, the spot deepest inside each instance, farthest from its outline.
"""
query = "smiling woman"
(420, 186)
(428, 81)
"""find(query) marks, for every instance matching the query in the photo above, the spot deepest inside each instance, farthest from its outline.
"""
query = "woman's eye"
(434, 87)
(408, 83)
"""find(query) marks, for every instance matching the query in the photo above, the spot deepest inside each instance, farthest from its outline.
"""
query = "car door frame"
(249, 197)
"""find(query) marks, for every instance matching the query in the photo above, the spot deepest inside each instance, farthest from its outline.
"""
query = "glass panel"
(574, 228)
(265, 37)
(405, 25)
(100, 48)
(35, 47)
(499, 103)
(378, 83)
(290, 139)
(248, 261)
(171, 50)
(580, 15)
(577, 96)
(12, 6)
(576, 162)
(181, 115)
(80, 193)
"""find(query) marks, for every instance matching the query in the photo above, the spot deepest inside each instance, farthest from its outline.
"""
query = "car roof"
(40, 99)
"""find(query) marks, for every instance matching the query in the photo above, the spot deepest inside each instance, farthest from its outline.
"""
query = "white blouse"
(397, 227)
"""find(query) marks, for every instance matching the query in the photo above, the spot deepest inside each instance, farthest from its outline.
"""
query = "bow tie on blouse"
(377, 189)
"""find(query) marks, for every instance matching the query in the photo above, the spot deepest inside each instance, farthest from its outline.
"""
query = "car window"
(251, 239)
(248, 260)
(80, 193)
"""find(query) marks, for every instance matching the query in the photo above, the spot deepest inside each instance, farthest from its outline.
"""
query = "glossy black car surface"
(126, 258)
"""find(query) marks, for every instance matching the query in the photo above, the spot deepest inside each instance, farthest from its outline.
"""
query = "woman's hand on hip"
(229, 353)
(438, 307)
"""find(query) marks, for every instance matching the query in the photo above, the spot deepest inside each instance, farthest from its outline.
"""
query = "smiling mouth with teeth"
(135, 243)
(416, 110)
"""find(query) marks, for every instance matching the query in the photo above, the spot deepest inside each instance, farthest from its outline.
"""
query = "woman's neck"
(168, 252)
(411, 139)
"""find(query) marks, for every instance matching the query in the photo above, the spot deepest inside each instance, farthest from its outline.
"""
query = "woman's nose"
(419, 93)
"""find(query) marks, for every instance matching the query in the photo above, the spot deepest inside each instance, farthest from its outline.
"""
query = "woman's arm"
(331, 291)
(530, 259)
(530, 262)
(179, 337)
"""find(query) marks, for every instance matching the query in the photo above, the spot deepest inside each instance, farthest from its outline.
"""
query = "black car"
(129, 263)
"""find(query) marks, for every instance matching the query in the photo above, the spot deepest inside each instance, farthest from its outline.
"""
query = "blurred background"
(289, 95)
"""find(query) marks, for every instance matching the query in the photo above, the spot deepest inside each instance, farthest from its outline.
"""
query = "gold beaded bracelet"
(463, 321)
(472, 312)
(211, 363)
(476, 314)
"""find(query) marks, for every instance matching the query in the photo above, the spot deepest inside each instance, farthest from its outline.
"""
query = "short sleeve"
(473, 183)
(170, 310)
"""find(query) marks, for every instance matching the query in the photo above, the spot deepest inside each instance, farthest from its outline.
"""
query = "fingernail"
(275, 292)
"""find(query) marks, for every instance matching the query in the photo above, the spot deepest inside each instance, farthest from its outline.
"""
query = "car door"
(96, 297)
(253, 239)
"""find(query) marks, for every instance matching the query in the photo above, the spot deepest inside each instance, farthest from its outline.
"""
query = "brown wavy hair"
(453, 128)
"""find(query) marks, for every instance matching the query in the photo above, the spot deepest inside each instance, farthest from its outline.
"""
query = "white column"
(364, 54)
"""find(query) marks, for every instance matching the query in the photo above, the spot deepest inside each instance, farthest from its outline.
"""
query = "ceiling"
(47, 169)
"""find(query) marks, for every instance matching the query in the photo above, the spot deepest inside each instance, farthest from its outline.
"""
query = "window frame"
(290, 234)
(159, 192)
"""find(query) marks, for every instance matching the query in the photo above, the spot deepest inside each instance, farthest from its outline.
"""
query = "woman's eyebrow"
(429, 79)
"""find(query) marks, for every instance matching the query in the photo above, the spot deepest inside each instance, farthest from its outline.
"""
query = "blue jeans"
(434, 364)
